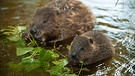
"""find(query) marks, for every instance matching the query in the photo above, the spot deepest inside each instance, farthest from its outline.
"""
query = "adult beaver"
(90, 47)
(59, 20)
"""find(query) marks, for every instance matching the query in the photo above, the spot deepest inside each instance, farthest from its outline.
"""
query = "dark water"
(117, 21)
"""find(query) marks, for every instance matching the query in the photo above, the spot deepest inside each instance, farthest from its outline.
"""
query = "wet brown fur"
(59, 20)
(90, 47)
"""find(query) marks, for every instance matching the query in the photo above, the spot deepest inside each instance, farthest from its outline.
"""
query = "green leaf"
(45, 55)
(54, 55)
(30, 63)
(36, 51)
(56, 70)
(14, 38)
(15, 66)
(22, 51)
(68, 47)
(32, 42)
(61, 62)
(46, 65)
(13, 32)
(21, 43)
(20, 28)
(66, 69)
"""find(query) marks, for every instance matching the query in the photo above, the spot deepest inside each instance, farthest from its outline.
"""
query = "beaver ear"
(79, 32)
(90, 40)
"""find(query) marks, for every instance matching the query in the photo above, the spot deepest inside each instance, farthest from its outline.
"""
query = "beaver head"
(43, 25)
(81, 50)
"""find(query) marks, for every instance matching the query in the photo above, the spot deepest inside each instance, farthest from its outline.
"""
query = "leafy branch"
(36, 57)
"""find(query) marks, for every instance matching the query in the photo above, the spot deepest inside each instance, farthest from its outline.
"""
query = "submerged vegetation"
(33, 56)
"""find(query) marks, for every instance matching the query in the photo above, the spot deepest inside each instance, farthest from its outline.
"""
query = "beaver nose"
(73, 56)
(33, 31)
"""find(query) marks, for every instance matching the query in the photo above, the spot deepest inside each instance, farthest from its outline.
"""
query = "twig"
(116, 3)
(80, 68)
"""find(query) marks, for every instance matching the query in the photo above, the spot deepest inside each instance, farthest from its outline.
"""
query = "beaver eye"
(82, 48)
(91, 40)
(44, 21)
(57, 13)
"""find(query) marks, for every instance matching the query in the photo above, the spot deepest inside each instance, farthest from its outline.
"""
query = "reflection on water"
(116, 20)
(126, 69)
(18, 12)
(15, 12)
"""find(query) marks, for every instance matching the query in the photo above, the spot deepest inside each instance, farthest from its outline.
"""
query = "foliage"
(13, 33)
(36, 57)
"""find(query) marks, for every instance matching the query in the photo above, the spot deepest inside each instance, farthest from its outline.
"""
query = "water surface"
(115, 20)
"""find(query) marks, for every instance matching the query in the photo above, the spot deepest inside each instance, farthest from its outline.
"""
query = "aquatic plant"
(35, 57)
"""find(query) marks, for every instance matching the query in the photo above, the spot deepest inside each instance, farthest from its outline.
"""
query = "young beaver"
(59, 20)
(90, 47)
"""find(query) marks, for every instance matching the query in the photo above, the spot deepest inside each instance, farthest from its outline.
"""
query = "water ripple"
(127, 68)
